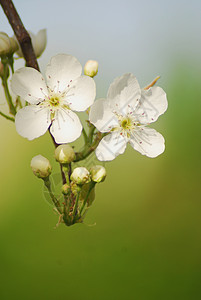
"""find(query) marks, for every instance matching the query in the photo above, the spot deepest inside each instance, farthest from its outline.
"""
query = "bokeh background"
(146, 243)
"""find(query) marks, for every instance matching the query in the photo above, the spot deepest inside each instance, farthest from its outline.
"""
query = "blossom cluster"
(123, 116)
(52, 102)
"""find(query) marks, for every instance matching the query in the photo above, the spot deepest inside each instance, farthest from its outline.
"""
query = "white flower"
(53, 104)
(39, 42)
(125, 114)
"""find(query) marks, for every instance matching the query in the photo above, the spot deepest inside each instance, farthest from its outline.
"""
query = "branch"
(24, 41)
(21, 33)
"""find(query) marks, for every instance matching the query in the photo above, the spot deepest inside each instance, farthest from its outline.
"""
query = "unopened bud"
(13, 44)
(91, 68)
(7, 45)
(41, 166)
(75, 188)
(65, 189)
(98, 173)
(80, 176)
(64, 154)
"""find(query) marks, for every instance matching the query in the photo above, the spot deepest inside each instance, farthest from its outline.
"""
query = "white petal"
(40, 42)
(82, 93)
(152, 104)
(66, 127)
(32, 121)
(101, 116)
(148, 142)
(29, 84)
(61, 70)
(124, 93)
(110, 146)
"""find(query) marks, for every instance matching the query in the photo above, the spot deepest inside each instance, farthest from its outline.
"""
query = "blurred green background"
(146, 243)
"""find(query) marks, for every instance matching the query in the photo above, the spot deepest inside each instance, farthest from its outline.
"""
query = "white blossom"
(38, 41)
(52, 104)
(124, 116)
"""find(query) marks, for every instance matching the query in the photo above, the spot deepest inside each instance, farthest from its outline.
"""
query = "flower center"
(126, 123)
(54, 101)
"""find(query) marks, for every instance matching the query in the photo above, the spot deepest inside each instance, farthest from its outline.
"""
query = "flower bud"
(80, 176)
(91, 68)
(65, 189)
(74, 188)
(7, 45)
(39, 42)
(13, 44)
(98, 173)
(41, 166)
(64, 154)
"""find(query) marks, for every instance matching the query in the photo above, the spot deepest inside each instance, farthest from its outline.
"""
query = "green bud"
(41, 166)
(75, 188)
(80, 176)
(98, 173)
(91, 68)
(65, 189)
(64, 154)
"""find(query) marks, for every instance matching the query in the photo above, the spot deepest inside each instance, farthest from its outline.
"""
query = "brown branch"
(25, 43)
(20, 33)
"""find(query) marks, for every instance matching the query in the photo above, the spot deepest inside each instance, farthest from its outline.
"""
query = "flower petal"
(29, 84)
(110, 146)
(40, 42)
(66, 127)
(32, 121)
(152, 104)
(124, 93)
(101, 116)
(148, 142)
(61, 70)
(82, 93)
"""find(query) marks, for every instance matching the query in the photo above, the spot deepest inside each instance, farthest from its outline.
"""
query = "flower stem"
(54, 199)
(84, 135)
(89, 148)
(76, 205)
(7, 117)
(65, 169)
(91, 132)
(87, 196)
(6, 90)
